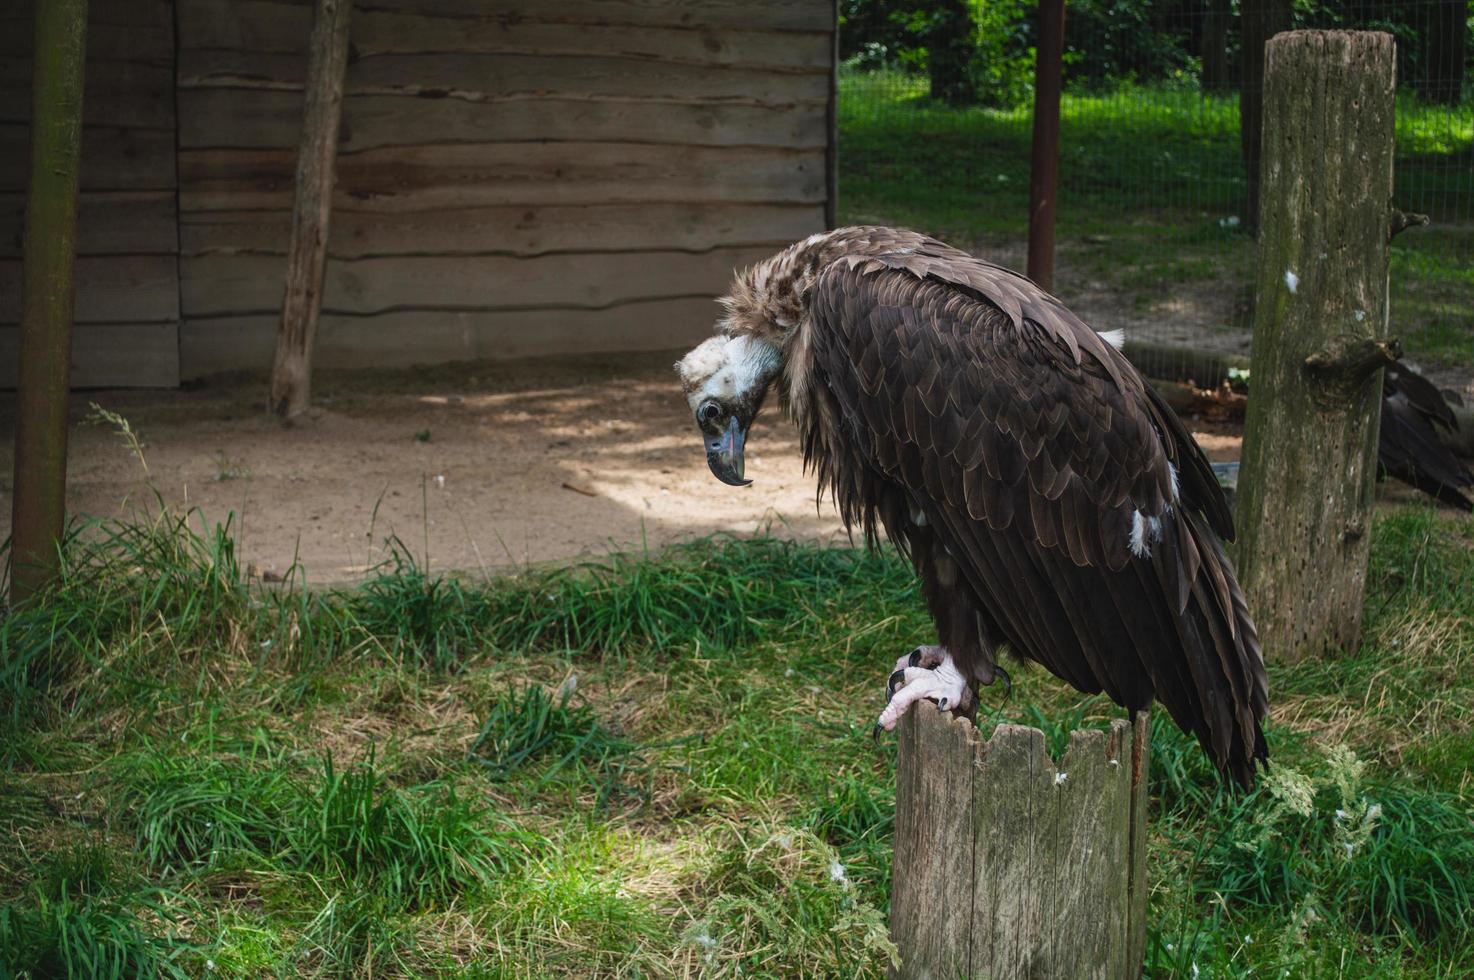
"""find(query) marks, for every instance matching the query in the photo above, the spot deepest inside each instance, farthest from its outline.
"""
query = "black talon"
(1007, 682)
(897, 678)
(942, 704)
(875, 732)
(915, 660)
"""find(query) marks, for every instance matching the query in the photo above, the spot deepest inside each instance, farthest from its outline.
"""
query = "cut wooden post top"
(1009, 863)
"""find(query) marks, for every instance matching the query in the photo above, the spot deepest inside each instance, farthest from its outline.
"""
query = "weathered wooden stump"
(1007, 865)
(1320, 338)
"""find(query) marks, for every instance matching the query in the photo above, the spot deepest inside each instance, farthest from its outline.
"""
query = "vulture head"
(725, 379)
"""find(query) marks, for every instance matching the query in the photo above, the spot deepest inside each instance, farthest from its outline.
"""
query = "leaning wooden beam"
(1168, 367)
(49, 250)
(1008, 866)
(1320, 338)
(1204, 368)
(291, 373)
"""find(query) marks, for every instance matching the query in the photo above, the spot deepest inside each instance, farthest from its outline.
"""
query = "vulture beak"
(724, 454)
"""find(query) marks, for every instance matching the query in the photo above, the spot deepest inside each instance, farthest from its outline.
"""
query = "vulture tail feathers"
(1198, 488)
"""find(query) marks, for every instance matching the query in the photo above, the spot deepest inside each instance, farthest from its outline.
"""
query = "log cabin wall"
(127, 305)
(515, 177)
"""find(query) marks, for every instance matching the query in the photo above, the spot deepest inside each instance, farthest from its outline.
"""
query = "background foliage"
(1109, 42)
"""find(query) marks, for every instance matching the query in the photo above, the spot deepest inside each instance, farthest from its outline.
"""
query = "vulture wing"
(1081, 512)
(1408, 447)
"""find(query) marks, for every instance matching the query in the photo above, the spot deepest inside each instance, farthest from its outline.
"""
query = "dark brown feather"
(1027, 445)
(1408, 447)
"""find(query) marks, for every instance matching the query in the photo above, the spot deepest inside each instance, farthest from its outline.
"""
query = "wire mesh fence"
(1154, 214)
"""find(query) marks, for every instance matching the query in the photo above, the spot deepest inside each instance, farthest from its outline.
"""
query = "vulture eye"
(708, 413)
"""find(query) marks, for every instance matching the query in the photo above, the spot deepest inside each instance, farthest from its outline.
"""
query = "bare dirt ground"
(480, 467)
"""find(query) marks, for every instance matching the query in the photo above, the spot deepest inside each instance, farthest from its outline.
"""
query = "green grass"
(1151, 188)
(650, 766)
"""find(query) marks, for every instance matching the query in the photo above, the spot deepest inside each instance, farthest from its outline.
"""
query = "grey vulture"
(1051, 503)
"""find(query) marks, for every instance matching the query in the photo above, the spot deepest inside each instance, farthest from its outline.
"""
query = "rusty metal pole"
(38, 507)
(1044, 166)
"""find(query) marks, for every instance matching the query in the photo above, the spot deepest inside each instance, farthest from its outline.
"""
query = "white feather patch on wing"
(1145, 532)
(1116, 338)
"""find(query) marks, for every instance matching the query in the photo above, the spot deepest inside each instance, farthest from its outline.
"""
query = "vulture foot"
(926, 672)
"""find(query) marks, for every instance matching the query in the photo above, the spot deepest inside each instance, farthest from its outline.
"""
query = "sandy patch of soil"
(526, 462)
(546, 460)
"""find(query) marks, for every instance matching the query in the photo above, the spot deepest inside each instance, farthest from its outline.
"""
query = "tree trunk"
(1260, 21)
(1320, 328)
(949, 47)
(38, 508)
(1007, 866)
(1216, 20)
(291, 373)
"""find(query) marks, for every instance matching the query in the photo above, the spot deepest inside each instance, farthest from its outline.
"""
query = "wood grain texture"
(212, 345)
(109, 355)
(501, 162)
(124, 93)
(220, 285)
(500, 76)
(1306, 487)
(127, 287)
(109, 223)
(1005, 870)
(253, 119)
(110, 289)
(772, 15)
(416, 178)
(152, 43)
(526, 231)
(155, 15)
(112, 158)
(274, 27)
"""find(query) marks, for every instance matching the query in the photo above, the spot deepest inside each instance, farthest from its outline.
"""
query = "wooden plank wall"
(516, 176)
(127, 310)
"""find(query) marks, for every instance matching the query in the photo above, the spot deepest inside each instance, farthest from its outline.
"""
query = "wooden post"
(1007, 866)
(39, 505)
(1044, 164)
(1320, 338)
(291, 373)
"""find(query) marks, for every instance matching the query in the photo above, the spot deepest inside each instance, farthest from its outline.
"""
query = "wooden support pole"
(307, 253)
(1204, 368)
(38, 508)
(1007, 866)
(1044, 165)
(1320, 338)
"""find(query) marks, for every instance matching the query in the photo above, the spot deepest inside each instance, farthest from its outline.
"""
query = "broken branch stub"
(1342, 366)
